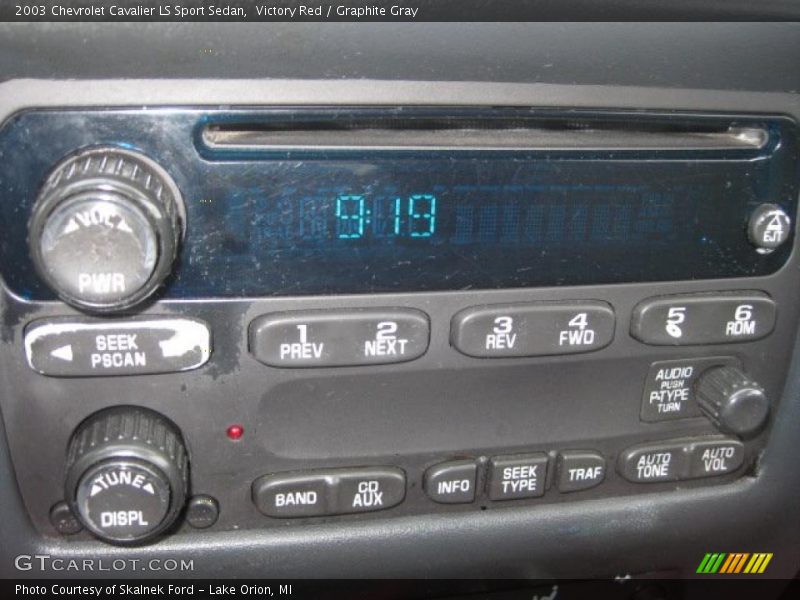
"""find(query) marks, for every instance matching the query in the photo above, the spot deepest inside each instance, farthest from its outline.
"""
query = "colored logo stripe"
(711, 562)
(758, 563)
(733, 563)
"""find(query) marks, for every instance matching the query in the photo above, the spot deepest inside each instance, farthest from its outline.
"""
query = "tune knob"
(127, 474)
(105, 228)
(732, 401)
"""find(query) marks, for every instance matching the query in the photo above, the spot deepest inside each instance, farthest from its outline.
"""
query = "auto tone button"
(69, 347)
(653, 463)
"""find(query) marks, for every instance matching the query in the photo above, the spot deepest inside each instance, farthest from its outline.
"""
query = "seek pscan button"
(76, 347)
(322, 338)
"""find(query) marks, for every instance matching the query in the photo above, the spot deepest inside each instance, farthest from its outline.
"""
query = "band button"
(293, 495)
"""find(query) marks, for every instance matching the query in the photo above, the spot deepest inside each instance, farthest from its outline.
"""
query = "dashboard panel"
(524, 346)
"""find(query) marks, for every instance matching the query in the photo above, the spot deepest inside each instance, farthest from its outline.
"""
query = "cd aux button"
(704, 319)
(533, 329)
(339, 338)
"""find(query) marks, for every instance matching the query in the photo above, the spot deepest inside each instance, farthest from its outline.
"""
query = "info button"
(70, 347)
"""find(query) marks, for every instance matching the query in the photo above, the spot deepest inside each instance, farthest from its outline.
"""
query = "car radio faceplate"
(485, 313)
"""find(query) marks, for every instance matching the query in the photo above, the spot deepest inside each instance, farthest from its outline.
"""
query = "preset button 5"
(704, 319)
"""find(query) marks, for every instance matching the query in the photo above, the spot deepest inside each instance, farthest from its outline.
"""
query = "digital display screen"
(476, 224)
(347, 222)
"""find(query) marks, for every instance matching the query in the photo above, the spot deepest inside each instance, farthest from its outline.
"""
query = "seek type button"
(135, 346)
(339, 338)
(669, 388)
(517, 476)
(535, 329)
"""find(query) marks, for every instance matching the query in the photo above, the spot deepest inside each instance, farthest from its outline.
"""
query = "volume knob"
(127, 474)
(732, 401)
(105, 228)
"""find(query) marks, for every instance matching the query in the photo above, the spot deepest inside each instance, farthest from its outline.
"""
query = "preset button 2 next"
(324, 338)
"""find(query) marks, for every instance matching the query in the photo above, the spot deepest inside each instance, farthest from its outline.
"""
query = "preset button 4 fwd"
(533, 329)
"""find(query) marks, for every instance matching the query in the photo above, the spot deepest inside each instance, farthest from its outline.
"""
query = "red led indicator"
(235, 432)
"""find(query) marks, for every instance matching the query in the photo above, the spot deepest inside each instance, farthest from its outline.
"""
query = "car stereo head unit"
(311, 313)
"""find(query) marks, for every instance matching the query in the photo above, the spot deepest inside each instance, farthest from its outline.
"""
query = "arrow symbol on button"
(96, 489)
(63, 352)
(72, 225)
(149, 488)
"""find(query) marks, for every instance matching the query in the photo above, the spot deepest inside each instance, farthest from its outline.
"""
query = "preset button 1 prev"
(339, 338)
(71, 347)
(533, 329)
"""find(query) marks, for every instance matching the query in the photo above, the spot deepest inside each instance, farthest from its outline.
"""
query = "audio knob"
(732, 401)
(127, 474)
(105, 228)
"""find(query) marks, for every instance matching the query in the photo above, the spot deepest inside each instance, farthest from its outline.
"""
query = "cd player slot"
(472, 135)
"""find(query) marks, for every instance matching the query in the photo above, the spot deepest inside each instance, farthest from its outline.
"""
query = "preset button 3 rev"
(533, 329)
